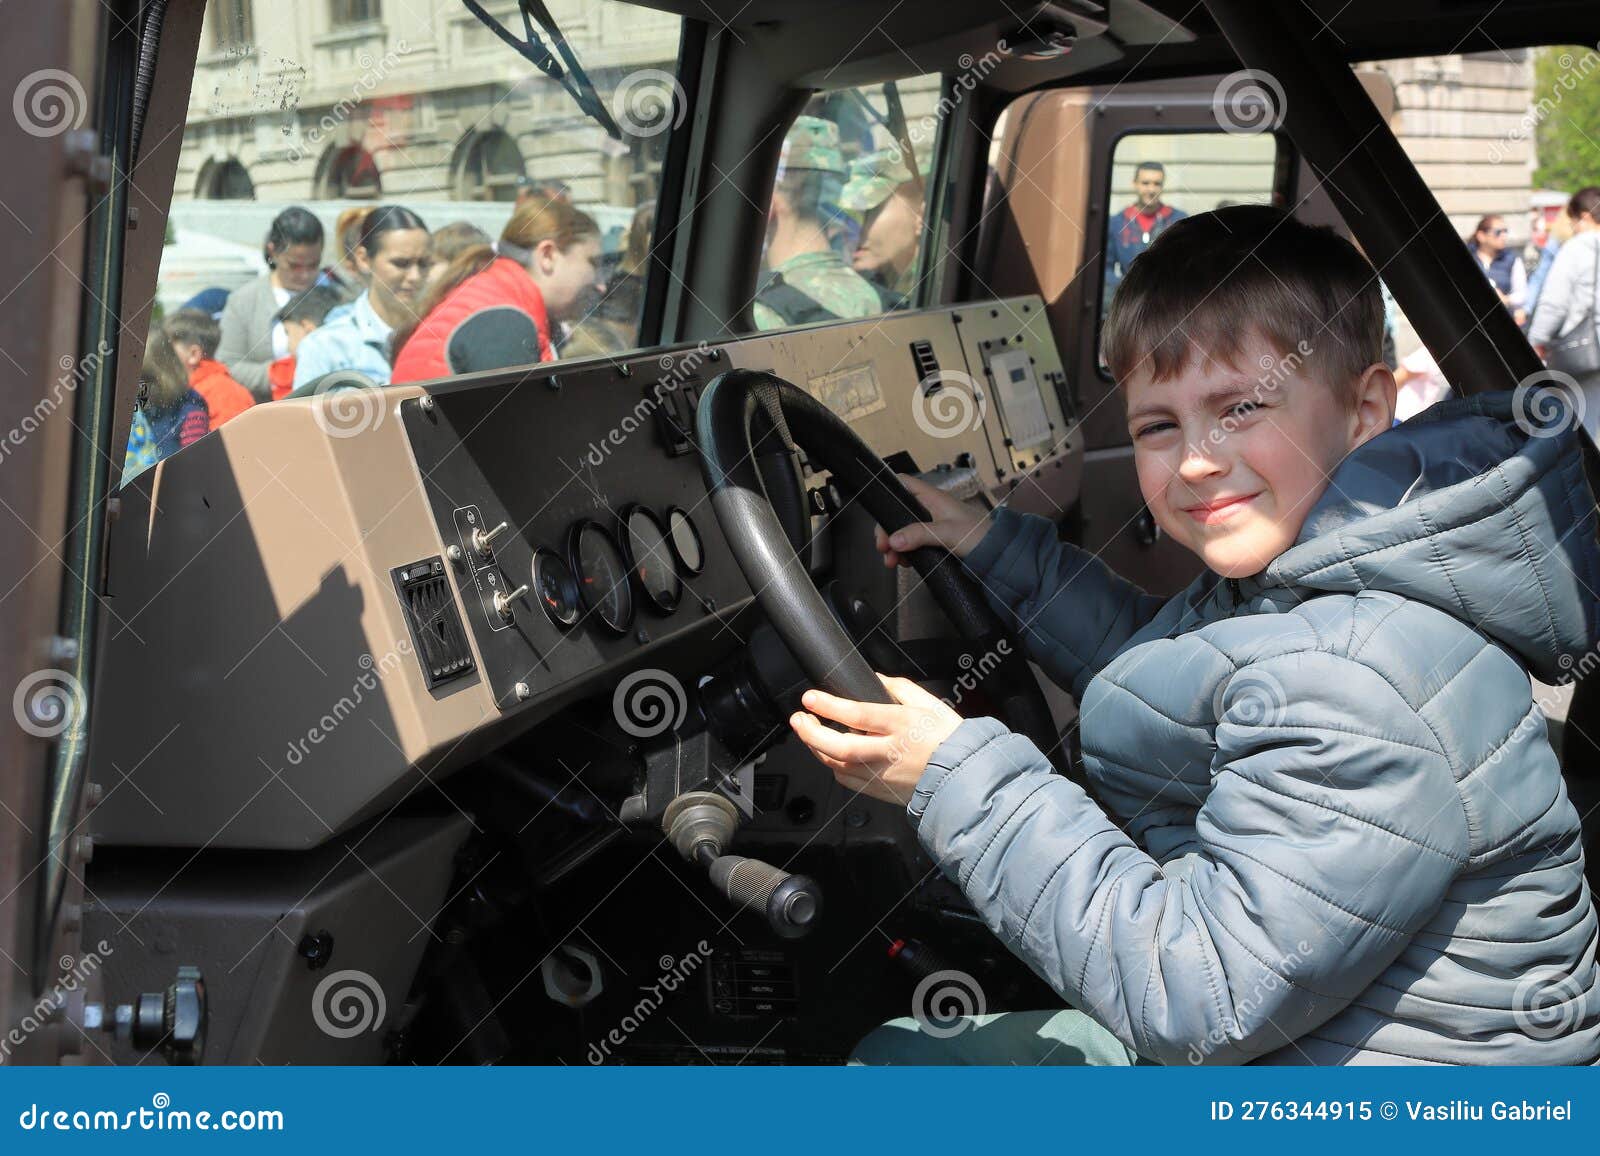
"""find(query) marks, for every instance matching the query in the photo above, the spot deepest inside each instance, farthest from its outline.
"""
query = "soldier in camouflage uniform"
(890, 201)
(806, 279)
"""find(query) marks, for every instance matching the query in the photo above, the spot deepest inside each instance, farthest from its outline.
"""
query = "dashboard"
(332, 603)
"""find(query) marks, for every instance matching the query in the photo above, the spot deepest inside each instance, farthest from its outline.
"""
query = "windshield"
(359, 176)
(848, 218)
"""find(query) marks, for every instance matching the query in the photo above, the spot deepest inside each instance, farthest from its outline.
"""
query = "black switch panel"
(436, 635)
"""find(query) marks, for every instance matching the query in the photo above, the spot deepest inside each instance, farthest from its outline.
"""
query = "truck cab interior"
(443, 722)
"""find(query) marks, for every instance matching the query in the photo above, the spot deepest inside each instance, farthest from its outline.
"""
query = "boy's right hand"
(957, 526)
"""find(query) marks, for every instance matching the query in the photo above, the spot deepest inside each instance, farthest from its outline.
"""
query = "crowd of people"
(399, 303)
(404, 303)
(1558, 302)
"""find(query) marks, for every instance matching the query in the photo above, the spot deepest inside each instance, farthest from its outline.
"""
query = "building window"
(344, 12)
(230, 23)
(490, 166)
(225, 180)
(348, 174)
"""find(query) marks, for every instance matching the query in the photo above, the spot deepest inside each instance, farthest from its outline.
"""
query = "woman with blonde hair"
(495, 305)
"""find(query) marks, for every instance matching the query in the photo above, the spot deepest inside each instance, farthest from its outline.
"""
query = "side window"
(1157, 179)
(850, 206)
(346, 167)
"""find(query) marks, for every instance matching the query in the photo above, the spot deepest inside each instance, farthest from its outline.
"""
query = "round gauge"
(602, 575)
(685, 539)
(650, 559)
(555, 588)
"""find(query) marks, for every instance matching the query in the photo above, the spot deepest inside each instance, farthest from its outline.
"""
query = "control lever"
(699, 824)
(173, 1021)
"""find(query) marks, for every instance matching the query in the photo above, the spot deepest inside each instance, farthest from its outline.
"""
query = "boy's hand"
(956, 525)
(887, 758)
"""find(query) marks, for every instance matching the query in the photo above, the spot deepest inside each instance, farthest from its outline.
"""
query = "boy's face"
(1231, 461)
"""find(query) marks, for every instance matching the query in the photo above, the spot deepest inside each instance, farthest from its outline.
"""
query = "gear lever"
(699, 824)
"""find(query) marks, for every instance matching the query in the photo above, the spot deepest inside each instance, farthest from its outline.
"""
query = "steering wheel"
(730, 404)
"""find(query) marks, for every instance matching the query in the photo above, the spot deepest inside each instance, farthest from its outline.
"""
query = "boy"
(303, 315)
(1338, 831)
(194, 335)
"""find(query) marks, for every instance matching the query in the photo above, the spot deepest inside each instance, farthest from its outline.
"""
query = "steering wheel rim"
(823, 648)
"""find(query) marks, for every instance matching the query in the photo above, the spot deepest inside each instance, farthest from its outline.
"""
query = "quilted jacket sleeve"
(1321, 848)
(1071, 610)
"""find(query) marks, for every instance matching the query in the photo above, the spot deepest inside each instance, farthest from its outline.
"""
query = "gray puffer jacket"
(1341, 835)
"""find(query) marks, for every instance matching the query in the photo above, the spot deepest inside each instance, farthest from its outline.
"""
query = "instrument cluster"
(606, 573)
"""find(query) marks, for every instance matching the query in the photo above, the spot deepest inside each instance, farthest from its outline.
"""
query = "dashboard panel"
(331, 603)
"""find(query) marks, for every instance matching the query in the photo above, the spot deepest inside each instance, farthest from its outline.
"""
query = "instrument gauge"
(555, 589)
(650, 559)
(685, 539)
(602, 575)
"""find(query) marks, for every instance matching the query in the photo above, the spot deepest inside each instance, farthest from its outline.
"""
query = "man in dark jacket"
(1133, 230)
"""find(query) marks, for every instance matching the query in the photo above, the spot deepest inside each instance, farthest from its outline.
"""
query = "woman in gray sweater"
(1571, 295)
(252, 338)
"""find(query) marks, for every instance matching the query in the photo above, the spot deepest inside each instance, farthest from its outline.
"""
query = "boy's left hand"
(888, 756)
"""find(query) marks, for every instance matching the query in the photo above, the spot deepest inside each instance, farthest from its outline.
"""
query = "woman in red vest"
(494, 305)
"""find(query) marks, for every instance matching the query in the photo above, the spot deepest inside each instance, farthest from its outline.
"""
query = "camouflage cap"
(875, 176)
(813, 143)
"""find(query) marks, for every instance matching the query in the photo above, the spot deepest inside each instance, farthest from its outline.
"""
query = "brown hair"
(1585, 200)
(347, 230)
(533, 222)
(1481, 227)
(1214, 279)
(163, 377)
(454, 239)
(194, 327)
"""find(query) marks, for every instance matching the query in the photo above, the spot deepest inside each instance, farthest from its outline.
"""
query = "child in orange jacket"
(194, 335)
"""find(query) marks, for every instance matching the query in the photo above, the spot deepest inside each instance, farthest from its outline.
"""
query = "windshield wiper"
(532, 49)
(897, 127)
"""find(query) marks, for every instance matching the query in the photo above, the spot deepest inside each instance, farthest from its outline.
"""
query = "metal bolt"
(94, 794)
(316, 950)
(425, 403)
(554, 381)
(524, 691)
(94, 1017)
(63, 649)
(454, 553)
(83, 848)
(625, 369)
(856, 817)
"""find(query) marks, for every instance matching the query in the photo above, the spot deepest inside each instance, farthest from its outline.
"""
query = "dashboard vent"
(439, 642)
(927, 367)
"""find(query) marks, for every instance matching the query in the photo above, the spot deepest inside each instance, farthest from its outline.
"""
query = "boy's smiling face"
(1231, 460)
